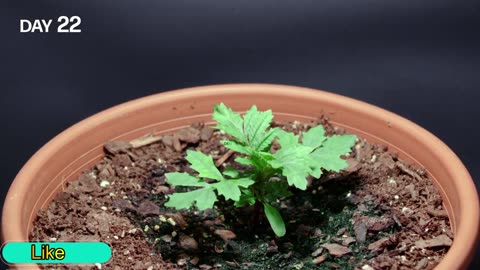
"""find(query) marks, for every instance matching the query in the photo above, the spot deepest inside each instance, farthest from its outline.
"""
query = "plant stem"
(256, 213)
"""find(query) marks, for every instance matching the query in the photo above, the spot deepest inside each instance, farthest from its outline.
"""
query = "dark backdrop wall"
(420, 59)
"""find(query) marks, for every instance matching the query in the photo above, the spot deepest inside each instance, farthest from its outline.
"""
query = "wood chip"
(189, 135)
(337, 250)
(353, 165)
(347, 241)
(439, 241)
(178, 218)
(116, 147)
(437, 213)
(187, 242)
(387, 160)
(206, 133)
(421, 264)
(224, 158)
(176, 143)
(146, 140)
(319, 259)
(225, 234)
(317, 252)
(360, 231)
(379, 244)
(341, 231)
(406, 170)
(148, 208)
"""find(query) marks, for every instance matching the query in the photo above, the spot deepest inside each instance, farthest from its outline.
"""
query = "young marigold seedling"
(270, 173)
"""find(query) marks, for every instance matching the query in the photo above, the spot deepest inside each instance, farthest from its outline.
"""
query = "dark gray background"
(420, 59)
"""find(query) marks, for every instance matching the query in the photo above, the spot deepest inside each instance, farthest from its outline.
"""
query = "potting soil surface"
(379, 213)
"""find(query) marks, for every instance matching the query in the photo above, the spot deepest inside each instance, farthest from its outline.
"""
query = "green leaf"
(231, 172)
(184, 179)
(314, 137)
(236, 146)
(204, 165)
(246, 197)
(287, 139)
(275, 220)
(203, 198)
(255, 125)
(276, 190)
(294, 163)
(229, 121)
(266, 143)
(243, 182)
(244, 161)
(328, 156)
(260, 160)
(316, 169)
(230, 189)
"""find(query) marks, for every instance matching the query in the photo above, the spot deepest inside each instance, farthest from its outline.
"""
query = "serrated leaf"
(244, 161)
(275, 220)
(265, 143)
(287, 139)
(294, 163)
(277, 189)
(316, 169)
(243, 182)
(229, 121)
(204, 165)
(329, 154)
(230, 189)
(255, 125)
(203, 198)
(184, 179)
(314, 137)
(236, 146)
(260, 160)
(257, 160)
(246, 197)
(231, 172)
(266, 156)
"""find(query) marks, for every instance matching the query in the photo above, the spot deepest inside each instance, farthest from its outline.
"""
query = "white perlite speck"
(93, 175)
(171, 221)
(99, 266)
(162, 218)
(367, 267)
(104, 183)
(407, 210)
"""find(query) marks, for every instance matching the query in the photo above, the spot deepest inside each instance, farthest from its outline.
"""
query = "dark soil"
(380, 213)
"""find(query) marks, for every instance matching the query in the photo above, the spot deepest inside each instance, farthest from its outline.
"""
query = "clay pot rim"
(463, 244)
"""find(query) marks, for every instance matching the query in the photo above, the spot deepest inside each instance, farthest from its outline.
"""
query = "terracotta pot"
(80, 146)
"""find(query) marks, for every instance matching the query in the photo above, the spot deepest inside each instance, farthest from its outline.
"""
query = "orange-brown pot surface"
(80, 146)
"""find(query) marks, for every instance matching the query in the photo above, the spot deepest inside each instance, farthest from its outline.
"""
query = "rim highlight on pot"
(80, 146)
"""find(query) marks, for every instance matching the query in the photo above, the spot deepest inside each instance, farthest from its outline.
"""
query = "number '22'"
(64, 20)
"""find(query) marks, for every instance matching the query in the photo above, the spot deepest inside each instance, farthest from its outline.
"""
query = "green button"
(56, 252)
